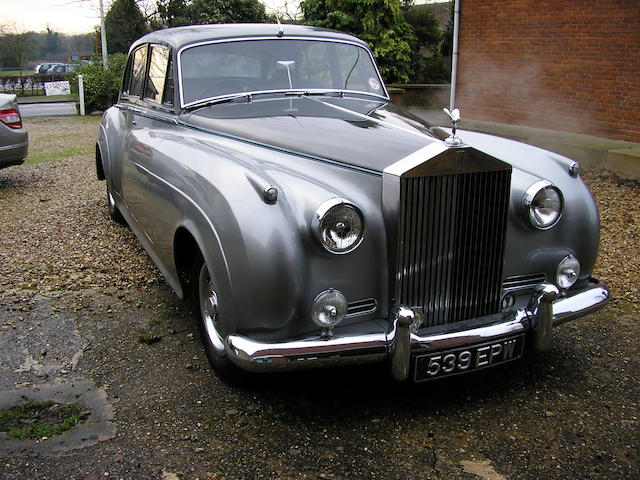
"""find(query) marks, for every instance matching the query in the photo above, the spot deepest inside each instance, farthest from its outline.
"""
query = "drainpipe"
(103, 39)
(454, 55)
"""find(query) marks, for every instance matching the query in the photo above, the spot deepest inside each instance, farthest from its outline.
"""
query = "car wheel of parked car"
(114, 213)
(207, 311)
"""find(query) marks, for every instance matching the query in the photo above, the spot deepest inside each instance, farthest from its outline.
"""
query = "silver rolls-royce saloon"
(312, 223)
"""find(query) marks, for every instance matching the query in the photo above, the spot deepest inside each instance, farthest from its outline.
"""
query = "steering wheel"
(227, 85)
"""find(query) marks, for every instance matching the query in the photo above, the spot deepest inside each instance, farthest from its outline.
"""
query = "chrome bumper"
(402, 341)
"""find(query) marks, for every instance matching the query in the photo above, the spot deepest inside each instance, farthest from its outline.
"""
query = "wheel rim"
(209, 310)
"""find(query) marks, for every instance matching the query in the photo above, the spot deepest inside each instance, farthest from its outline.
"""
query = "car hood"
(362, 133)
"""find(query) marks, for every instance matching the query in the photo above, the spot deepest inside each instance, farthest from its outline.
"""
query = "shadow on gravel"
(350, 392)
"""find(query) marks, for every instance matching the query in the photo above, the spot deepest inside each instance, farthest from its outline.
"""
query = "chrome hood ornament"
(455, 118)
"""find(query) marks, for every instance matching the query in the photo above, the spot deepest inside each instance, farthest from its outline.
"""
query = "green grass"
(148, 338)
(40, 419)
(58, 154)
(65, 137)
(14, 73)
(44, 98)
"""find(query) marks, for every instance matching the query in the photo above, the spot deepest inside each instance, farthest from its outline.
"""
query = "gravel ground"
(76, 289)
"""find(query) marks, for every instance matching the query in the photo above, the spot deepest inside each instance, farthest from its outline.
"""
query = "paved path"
(47, 109)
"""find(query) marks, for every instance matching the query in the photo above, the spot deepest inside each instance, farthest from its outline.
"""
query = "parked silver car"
(14, 139)
(315, 224)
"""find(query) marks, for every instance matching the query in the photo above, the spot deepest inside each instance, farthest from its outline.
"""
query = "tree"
(51, 43)
(426, 57)
(176, 13)
(124, 23)
(378, 22)
(17, 46)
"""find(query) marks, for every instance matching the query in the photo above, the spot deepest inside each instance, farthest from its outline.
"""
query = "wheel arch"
(99, 165)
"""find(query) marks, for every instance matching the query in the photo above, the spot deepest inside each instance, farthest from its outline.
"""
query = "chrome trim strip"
(242, 39)
(17, 145)
(313, 352)
(416, 158)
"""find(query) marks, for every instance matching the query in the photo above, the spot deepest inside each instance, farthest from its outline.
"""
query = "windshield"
(218, 69)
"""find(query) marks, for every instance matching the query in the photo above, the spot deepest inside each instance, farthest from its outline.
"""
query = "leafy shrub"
(101, 87)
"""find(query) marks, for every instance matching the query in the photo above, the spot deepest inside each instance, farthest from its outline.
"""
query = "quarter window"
(139, 65)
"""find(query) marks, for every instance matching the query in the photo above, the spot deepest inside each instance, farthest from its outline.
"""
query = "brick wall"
(572, 65)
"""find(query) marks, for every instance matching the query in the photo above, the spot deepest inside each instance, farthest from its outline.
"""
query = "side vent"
(361, 307)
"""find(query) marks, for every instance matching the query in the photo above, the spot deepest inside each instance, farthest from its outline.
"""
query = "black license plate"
(467, 359)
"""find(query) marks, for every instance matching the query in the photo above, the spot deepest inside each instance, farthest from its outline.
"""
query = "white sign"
(57, 88)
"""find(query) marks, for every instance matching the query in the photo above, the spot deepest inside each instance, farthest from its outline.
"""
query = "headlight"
(568, 271)
(543, 203)
(338, 225)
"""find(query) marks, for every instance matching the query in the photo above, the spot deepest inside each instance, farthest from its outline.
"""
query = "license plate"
(467, 359)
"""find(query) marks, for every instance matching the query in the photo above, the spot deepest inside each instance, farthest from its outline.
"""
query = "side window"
(139, 64)
(160, 82)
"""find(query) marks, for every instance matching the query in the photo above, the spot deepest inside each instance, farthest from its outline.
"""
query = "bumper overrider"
(404, 340)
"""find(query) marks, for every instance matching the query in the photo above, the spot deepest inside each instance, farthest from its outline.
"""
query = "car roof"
(181, 36)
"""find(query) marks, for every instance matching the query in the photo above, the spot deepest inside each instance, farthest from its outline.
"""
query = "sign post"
(81, 93)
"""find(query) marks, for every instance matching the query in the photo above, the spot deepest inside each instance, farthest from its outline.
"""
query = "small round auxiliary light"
(270, 195)
(568, 271)
(328, 309)
(574, 169)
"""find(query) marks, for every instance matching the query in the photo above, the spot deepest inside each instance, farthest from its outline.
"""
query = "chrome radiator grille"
(451, 233)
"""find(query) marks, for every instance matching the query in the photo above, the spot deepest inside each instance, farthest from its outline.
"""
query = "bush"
(101, 87)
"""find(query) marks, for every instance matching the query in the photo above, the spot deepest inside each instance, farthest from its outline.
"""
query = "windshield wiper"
(215, 101)
(309, 93)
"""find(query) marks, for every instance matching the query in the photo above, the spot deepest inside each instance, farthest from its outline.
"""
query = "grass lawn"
(44, 98)
(60, 138)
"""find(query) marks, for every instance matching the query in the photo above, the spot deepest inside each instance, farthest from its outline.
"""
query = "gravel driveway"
(76, 290)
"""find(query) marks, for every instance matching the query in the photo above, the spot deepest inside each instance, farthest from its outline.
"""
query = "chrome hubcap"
(210, 311)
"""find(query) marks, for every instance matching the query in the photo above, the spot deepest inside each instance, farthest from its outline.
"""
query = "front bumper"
(402, 339)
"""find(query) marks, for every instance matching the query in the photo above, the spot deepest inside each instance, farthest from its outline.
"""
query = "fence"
(28, 85)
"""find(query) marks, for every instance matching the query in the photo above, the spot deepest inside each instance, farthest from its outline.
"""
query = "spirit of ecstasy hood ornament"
(455, 118)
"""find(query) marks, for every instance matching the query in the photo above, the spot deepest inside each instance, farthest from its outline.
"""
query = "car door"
(158, 122)
(134, 156)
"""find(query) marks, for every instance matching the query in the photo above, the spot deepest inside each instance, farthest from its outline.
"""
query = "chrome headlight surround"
(542, 195)
(338, 221)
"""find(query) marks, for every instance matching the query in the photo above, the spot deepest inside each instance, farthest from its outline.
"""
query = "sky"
(72, 16)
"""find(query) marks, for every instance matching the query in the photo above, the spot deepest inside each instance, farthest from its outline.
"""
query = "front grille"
(451, 234)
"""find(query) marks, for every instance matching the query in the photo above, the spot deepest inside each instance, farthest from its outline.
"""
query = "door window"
(160, 82)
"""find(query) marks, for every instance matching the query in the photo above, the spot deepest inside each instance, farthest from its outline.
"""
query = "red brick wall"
(573, 65)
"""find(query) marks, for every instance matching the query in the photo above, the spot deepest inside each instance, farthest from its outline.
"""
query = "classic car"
(313, 223)
(14, 139)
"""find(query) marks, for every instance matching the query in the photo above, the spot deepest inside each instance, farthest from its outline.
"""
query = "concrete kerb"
(593, 153)
(98, 427)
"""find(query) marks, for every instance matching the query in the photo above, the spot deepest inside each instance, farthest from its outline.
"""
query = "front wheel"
(207, 310)
(114, 212)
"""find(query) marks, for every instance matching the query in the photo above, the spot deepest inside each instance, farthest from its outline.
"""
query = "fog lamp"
(329, 308)
(568, 271)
